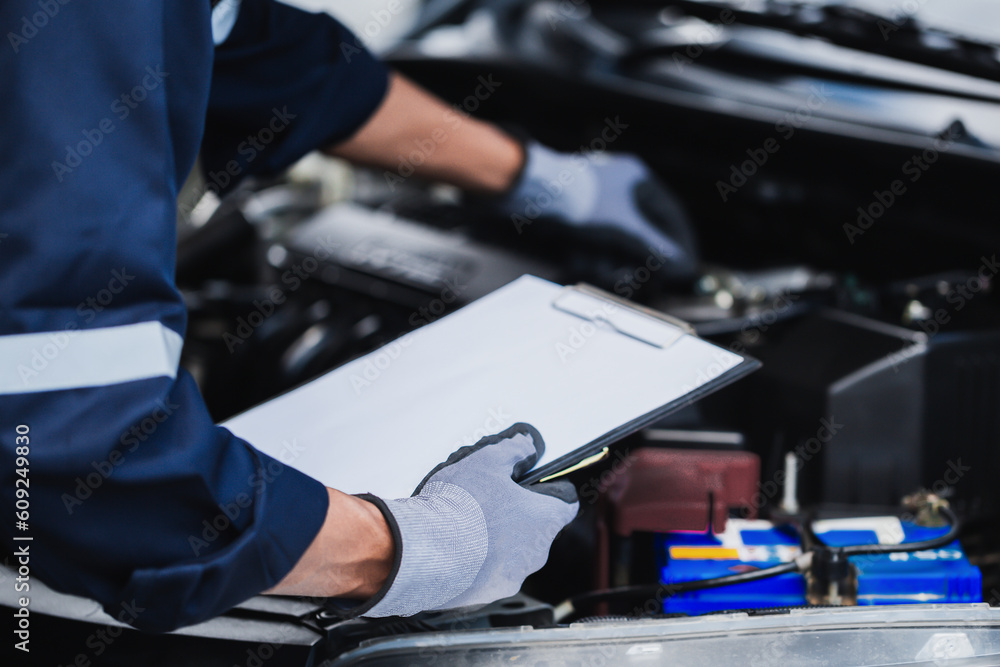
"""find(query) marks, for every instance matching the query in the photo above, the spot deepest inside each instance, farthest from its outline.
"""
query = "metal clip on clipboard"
(629, 319)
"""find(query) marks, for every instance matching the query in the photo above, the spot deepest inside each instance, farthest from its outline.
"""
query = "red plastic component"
(661, 490)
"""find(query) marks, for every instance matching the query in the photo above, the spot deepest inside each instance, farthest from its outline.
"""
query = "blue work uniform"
(134, 496)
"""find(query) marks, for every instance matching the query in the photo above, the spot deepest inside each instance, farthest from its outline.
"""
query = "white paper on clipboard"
(583, 369)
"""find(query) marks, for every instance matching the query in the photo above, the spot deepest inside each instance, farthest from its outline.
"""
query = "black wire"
(810, 540)
(662, 591)
(801, 525)
(924, 545)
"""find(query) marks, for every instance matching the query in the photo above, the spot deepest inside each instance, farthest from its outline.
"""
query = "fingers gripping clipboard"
(582, 366)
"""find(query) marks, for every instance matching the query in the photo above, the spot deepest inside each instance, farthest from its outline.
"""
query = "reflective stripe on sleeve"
(224, 15)
(74, 359)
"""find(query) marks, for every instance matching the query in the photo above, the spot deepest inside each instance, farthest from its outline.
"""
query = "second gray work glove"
(604, 195)
(470, 534)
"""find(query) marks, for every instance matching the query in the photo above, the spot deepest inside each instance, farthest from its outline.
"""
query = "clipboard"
(584, 367)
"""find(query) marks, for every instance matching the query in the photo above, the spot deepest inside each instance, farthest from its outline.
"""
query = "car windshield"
(977, 20)
(961, 35)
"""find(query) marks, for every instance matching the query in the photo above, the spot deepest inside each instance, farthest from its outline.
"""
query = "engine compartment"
(852, 255)
(844, 207)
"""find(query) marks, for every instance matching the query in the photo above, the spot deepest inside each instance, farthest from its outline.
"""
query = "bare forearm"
(350, 557)
(412, 129)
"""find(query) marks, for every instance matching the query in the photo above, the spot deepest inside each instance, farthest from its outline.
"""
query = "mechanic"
(108, 105)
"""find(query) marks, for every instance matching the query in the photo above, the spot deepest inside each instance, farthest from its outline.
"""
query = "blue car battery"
(933, 576)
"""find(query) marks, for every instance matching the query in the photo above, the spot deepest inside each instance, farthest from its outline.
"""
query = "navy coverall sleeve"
(136, 498)
(285, 82)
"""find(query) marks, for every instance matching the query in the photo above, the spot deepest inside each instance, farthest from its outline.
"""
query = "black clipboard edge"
(744, 368)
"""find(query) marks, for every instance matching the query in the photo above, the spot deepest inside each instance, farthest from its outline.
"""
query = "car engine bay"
(841, 192)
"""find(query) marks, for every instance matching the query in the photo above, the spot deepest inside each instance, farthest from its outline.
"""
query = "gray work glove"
(612, 197)
(470, 534)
